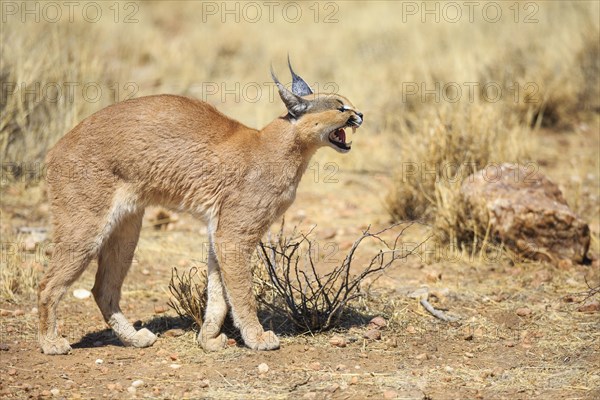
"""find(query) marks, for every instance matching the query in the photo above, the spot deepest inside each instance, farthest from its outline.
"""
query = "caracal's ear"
(295, 104)
(299, 87)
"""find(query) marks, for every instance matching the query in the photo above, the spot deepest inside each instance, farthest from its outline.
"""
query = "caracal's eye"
(342, 109)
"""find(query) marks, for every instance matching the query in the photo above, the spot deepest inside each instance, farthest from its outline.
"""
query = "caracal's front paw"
(212, 344)
(55, 346)
(267, 340)
(142, 338)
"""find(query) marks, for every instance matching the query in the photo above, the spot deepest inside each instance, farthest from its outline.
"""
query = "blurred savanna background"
(446, 88)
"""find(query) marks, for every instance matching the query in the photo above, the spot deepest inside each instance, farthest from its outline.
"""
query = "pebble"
(137, 383)
(523, 311)
(54, 392)
(81, 294)
(372, 334)
(469, 355)
(589, 307)
(160, 309)
(378, 323)
(389, 394)
(332, 388)
(448, 368)
(263, 368)
(203, 383)
(353, 380)
(337, 341)
(99, 361)
(12, 371)
(175, 366)
(46, 393)
(131, 389)
(5, 313)
(316, 366)
(422, 356)
(173, 356)
(18, 313)
(174, 333)
(4, 347)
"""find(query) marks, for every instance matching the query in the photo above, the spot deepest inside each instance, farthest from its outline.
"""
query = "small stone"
(389, 394)
(411, 329)
(315, 366)
(509, 343)
(18, 313)
(99, 361)
(469, 355)
(340, 367)
(111, 386)
(4, 347)
(160, 309)
(263, 368)
(174, 333)
(565, 263)
(175, 366)
(46, 393)
(523, 311)
(203, 383)
(131, 389)
(372, 334)
(173, 356)
(332, 388)
(422, 356)
(5, 313)
(337, 341)
(448, 368)
(81, 294)
(145, 272)
(310, 395)
(378, 323)
(54, 392)
(12, 372)
(589, 307)
(137, 383)
(353, 380)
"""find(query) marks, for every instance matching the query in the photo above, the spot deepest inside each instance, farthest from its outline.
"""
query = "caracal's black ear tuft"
(295, 104)
(299, 86)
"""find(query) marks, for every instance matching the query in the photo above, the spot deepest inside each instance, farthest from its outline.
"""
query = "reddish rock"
(527, 212)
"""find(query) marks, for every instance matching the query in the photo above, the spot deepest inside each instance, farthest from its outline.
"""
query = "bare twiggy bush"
(314, 302)
(189, 292)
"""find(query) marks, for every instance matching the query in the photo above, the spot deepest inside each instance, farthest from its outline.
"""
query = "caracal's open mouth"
(338, 138)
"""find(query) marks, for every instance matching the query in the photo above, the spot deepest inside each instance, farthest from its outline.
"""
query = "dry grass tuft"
(189, 293)
(444, 147)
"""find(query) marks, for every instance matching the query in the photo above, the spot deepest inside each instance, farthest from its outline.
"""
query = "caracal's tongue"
(342, 134)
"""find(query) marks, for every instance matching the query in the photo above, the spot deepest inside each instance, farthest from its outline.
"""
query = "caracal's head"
(318, 119)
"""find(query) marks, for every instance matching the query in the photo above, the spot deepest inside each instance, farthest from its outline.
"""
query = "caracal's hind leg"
(210, 337)
(234, 250)
(75, 246)
(114, 261)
